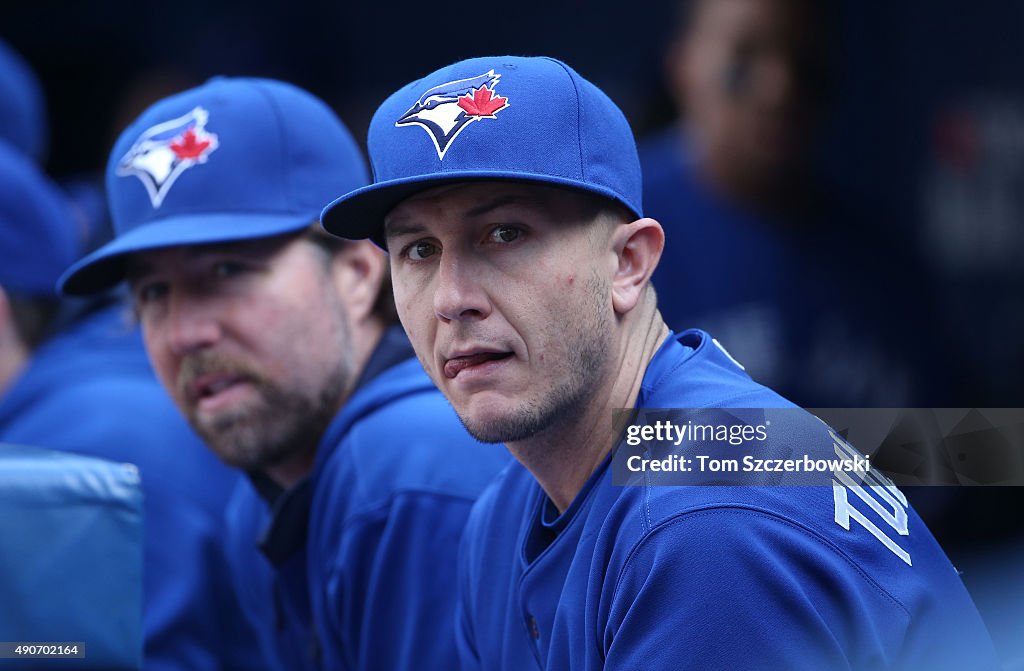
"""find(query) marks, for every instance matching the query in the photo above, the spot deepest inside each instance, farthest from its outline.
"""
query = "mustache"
(196, 365)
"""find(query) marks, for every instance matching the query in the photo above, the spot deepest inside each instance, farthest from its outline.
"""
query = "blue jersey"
(283, 626)
(705, 577)
(356, 565)
(91, 390)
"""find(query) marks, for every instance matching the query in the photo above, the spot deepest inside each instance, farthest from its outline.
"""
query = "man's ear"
(638, 246)
(12, 347)
(6, 317)
(358, 270)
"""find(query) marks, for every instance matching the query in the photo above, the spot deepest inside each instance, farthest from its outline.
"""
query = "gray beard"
(280, 427)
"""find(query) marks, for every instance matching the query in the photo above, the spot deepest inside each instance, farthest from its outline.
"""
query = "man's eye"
(419, 251)
(505, 234)
(223, 269)
(150, 292)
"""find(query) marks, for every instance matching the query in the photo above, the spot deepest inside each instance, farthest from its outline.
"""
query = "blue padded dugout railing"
(70, 557)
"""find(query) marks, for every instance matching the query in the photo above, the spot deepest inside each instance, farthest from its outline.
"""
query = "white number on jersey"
(879, 494)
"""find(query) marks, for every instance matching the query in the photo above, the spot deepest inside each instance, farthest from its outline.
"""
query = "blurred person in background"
(827, 299)
(22, 106)
(74, 376)
(758, 249)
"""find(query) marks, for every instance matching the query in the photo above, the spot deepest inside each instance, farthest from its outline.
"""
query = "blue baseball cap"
(22, 105)
(234, 159)
(494, 118)
(38, 238)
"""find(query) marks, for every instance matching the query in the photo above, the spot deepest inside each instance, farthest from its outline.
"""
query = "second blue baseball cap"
(233, 159)
(495, 118)
(38, 232)
(23, 121)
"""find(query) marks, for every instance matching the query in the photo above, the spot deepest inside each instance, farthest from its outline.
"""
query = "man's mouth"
(209, 388)
(457, 364)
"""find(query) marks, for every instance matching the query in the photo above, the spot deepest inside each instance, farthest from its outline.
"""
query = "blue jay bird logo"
(444, 111)
(166, 150)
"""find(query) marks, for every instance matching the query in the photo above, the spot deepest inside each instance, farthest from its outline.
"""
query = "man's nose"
(192, 324)
(459, 294)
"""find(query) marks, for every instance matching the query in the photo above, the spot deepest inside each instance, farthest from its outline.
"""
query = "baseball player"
(278, 343)
(507, 191)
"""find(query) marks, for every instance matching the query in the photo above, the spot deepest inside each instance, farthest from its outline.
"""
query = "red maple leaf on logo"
(189, 147)
(481, 104)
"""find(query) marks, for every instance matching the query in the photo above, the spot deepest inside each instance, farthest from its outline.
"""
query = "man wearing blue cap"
(507, 191)
(37, 241)
(279, 345)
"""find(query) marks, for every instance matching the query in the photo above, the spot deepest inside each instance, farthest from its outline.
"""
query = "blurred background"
(842, 184)
(921, 133)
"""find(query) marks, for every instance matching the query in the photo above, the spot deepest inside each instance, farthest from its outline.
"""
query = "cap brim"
(105, 267)
(360, 214)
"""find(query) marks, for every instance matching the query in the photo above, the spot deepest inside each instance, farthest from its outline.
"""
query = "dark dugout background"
(926, 135)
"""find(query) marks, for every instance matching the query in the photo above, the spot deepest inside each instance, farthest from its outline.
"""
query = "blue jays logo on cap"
(444, 111)
(166, 150)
